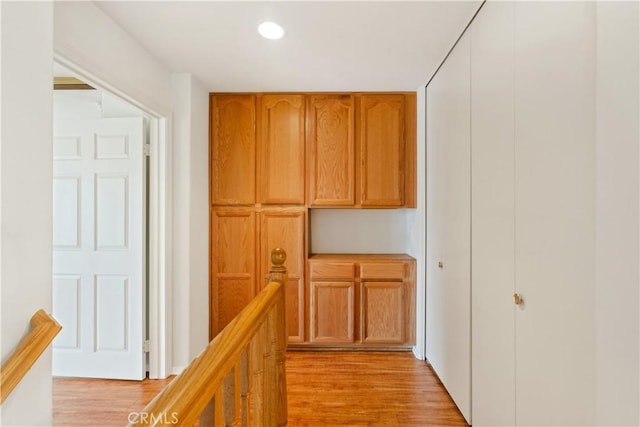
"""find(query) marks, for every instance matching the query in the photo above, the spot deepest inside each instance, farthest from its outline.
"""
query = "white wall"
(86, 37)
(26, 196)
(199, 221)
(370, 231)
(617, 188)
(416, 226)
(190, 220)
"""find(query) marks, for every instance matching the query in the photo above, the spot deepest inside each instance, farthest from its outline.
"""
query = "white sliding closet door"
(448, 329)
(554, 211)
(492, 218)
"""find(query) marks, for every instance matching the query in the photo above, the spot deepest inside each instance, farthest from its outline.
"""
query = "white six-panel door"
(98, 259)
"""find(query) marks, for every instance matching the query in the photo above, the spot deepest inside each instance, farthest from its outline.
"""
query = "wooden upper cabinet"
(381, 126)
(233, 143)
(361, 149)
(331, 142)
(281, 149)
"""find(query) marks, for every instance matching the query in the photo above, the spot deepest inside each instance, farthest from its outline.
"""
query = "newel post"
(278, 273)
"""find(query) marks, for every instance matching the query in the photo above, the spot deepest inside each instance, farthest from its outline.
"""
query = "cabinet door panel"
(285, 228)
(233, 143)
(295, 310)
(281, 149)
(233, 294)
(233, 251)
(383, 312)
(381, 124)
(331, 150)
(332, 270)
(383, 270)
(332, 312)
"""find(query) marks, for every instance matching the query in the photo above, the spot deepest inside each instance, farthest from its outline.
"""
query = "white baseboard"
(417, 353)
(177, 370)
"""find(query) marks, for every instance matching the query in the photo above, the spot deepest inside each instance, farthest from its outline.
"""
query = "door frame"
(159, 222)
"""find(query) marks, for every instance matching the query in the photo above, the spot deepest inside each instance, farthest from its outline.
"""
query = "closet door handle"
(517, 299)
(440, 264)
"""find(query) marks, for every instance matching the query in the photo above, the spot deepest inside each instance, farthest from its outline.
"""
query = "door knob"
(440, 264)
(517, 299)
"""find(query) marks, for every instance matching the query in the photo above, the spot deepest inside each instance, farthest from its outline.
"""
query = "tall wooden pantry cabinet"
(275, 155)
(252, 213)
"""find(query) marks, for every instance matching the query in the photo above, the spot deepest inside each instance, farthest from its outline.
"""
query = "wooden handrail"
(239, 378)
(44, 329)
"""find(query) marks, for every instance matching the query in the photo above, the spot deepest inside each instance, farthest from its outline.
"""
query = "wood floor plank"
(324, 389)
(366, 389)
(81, 401)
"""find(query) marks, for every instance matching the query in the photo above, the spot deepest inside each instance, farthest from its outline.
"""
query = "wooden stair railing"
(44, 329)
(239, 378)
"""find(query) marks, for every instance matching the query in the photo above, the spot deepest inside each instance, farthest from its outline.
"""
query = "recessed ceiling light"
(270, 30)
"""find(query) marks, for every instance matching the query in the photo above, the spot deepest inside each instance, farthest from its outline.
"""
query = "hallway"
(324, 389)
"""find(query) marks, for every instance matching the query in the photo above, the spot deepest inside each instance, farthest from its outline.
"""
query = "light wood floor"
(324, 389)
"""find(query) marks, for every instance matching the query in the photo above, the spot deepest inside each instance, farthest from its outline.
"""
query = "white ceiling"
(328, 46)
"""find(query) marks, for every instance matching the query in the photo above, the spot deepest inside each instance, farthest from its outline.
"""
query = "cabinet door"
(381, 124)
(448, 307)
(233, 143)
(383, 312)
(333, 312)
(233, 252)
(285, 228)
(281, 149)
(331, 144)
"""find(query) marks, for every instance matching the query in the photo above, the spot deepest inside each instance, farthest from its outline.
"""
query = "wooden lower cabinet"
(361, 300)
(333, 312)
(239, 236)
(347, 301)
(285, 228)
(233, 269)
(383, 312)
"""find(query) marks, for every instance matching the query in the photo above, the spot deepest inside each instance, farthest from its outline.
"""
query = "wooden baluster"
(237, 395)
(218, 417)
(270, 364)
(207, 417)
(267, 378)
(229, 399)
(258, 377)
(244, 388)
(278, 341)
(281, 347)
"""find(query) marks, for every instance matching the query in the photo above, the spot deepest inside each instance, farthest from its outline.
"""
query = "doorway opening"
(108, 253)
